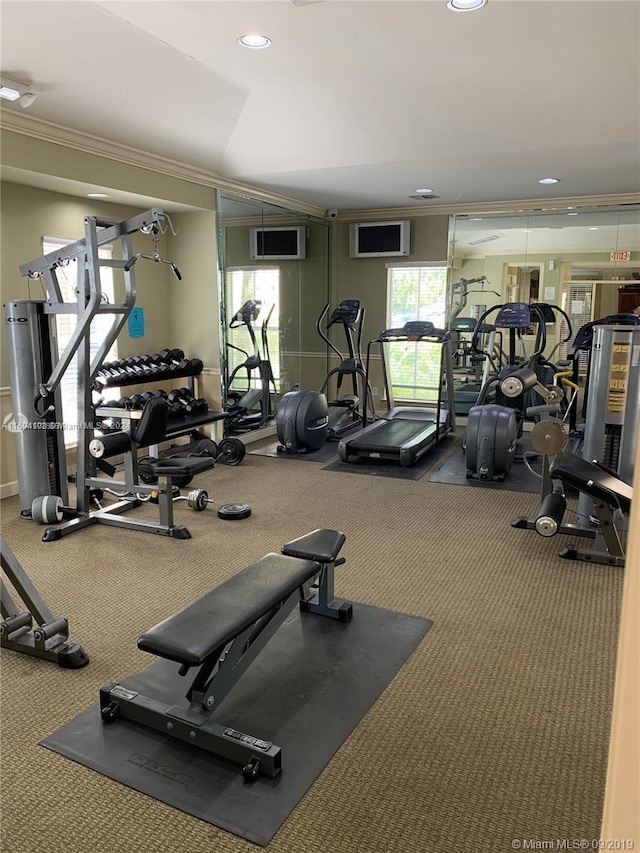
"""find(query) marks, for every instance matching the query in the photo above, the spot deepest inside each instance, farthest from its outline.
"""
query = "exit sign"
(620, 256)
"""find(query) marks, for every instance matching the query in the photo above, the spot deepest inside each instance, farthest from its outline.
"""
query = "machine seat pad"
(321, 545)
(180, 465)
(592, 480)
(201, 629)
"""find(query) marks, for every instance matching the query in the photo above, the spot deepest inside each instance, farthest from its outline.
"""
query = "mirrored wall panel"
(585, 261)
(274, 283)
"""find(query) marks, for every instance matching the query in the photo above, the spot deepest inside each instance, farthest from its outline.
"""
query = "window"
(263, 285)
(415, 292)
(66, 323)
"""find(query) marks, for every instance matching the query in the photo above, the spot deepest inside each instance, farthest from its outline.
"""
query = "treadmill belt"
(393, 434)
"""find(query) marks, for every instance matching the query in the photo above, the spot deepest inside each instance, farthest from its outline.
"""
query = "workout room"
(320, 426)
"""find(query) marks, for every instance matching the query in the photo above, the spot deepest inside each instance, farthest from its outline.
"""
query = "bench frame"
(220, 672)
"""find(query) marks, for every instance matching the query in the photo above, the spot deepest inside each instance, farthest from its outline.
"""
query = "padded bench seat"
(592, 480)
(179, 465)
(201, 629)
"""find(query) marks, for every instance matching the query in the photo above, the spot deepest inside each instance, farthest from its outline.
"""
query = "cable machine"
(37, 368)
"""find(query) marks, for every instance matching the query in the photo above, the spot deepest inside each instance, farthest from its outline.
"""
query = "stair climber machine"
(495, 423)
(305, 420)
(404, 434)
(251, 407)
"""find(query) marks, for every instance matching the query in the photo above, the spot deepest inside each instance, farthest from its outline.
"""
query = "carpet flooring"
(495, 729)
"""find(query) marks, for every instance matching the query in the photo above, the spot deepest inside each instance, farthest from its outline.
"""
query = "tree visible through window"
(416, 292)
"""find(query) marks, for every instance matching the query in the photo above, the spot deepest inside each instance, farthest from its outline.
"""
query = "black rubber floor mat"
(306, 692)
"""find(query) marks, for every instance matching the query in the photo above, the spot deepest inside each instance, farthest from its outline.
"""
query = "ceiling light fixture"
(97, 195)
(593, 228)
(424, 190)
(12, 90)
(549, 181)
(572, 214)
(254, 41)
(475, 219)
(466, 5)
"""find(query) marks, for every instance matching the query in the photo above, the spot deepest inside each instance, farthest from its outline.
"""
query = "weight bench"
(221, 634)
(609, 493)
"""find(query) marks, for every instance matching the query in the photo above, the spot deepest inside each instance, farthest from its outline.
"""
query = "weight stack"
(39, 449)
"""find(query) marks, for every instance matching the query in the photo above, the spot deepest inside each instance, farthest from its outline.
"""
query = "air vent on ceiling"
(487, 239)
(424, 196)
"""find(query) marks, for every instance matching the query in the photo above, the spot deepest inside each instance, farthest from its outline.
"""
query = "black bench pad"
(592, 480)
(200, 629)
(321, 545)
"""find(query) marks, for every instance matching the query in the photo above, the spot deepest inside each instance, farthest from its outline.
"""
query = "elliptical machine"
(305, 420)
(252, 407)
(495, 424)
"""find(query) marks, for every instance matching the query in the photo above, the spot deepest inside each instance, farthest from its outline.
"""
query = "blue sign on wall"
(136, 323)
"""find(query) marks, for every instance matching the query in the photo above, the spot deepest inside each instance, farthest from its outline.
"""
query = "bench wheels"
(231, 451)
(250, 771)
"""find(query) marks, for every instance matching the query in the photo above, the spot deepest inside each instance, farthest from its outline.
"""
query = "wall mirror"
(274, 283)
(585, 260)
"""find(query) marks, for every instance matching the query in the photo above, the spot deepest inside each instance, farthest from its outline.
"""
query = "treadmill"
(405, 433)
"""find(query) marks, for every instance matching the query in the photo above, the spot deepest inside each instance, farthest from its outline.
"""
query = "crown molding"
(19, 122)
(59, 135)
(506, 206)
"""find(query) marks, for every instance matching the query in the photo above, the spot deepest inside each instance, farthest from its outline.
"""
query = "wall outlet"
(287, 385)
(374, 390)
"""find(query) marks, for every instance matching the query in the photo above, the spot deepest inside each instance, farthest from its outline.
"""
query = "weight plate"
(207, 447)
(548, 437)
(231, 451)
(234, 512)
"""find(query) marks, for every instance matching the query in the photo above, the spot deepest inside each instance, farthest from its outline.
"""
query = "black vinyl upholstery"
(592, 480)
(199, 630)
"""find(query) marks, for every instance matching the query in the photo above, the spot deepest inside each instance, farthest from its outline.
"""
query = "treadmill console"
(411, 331)
(347, 313)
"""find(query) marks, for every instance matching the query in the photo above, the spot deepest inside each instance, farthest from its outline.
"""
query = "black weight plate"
(231, 451)
(234, 512)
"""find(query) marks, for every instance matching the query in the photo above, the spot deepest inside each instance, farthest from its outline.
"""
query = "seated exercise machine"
(49, 639)
(305, 420)
(609, 495)
(404, 434)
(495, 423)
(606, 440)
(220, 635)
(37, 370)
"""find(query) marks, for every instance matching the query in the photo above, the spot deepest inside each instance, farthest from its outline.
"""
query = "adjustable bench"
(221, 634)
(609, 494)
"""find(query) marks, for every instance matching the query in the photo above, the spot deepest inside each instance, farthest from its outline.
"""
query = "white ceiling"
(357, 103)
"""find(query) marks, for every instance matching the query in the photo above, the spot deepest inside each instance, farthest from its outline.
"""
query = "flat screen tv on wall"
(379, 239)
(284, 243)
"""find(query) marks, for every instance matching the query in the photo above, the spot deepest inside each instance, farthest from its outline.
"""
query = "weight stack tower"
(40, 452)
(613, 403)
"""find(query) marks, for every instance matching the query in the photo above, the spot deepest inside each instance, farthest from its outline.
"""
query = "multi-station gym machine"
(37, 369)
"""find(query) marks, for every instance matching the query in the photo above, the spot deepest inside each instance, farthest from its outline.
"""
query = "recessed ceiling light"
(254, 41)
(97, 195)
(475, 219)
(527, 230)
(593, 228)
(424, 190)
(466, 5)
(549, 181)
(572, 214)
